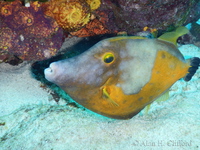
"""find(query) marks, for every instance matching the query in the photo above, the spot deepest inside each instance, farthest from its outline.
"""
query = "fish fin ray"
(194, 65)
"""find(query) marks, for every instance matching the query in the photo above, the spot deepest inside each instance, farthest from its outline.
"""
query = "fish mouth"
(50, 72)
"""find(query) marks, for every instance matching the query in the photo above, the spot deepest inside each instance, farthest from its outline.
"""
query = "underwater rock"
(195, 31)
(194, 35)
(135, 16)
(27, 33)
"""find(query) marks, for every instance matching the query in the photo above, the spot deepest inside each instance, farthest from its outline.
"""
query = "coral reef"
(135, 16)
(27, 33)
(71, 15)
(36, 32)
(195, 34)
(195, 30)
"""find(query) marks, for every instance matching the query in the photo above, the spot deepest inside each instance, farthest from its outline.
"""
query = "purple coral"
(27, 33)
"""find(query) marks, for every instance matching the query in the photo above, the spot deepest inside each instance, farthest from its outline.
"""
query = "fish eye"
(108, 58)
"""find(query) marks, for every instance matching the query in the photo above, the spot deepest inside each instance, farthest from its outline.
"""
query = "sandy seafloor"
(31, 120)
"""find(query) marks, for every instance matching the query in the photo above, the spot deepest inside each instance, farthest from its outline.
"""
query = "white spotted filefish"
(119, 76)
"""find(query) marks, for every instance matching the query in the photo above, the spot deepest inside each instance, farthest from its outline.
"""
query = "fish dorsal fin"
(162, 98)
(138, 37)
(174, 35)
(118, 38)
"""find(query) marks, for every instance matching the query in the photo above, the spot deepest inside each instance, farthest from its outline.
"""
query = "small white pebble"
(27, 4)
(21, 37)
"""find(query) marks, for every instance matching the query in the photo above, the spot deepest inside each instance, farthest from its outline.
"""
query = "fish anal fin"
(160, 99)
(163, 97)
(147, 108)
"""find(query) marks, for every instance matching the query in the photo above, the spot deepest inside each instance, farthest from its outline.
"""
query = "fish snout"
(50, 73)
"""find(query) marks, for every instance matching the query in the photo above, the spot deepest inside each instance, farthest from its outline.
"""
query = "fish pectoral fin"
(107, 97)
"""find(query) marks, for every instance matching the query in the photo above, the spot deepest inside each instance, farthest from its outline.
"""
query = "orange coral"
(7, 37)
(94, 4)
(96, 26)
(22, 18)
(7, 8)
(71, 15)
(36, 6)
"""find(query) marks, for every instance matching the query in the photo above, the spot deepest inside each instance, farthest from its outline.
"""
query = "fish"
(119, 76)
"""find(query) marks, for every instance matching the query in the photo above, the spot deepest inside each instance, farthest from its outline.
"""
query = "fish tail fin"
(194, 65)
